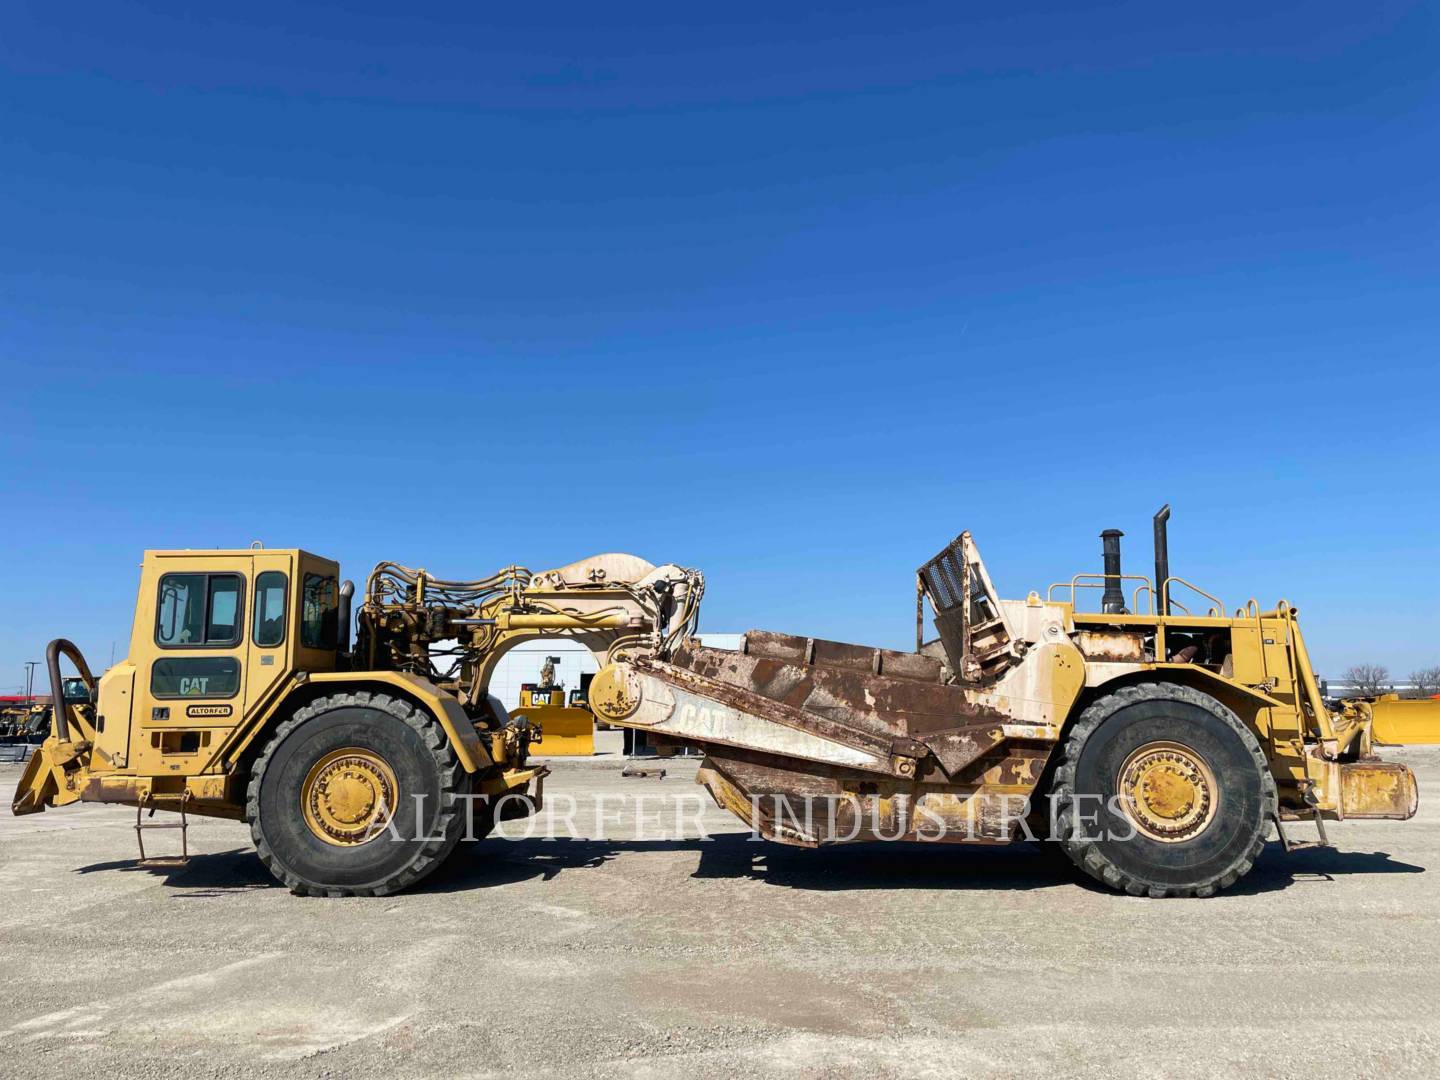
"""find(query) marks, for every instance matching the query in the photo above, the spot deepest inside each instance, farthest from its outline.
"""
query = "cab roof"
(191, 553)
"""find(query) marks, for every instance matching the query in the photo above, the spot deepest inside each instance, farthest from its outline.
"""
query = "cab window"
(198, 610)
(269, 628)
(319, 616)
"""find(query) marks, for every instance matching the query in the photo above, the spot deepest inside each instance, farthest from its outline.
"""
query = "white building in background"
(522, 664)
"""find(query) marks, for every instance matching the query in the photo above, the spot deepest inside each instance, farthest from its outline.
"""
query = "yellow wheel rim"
(1168, 791)
(348, 796)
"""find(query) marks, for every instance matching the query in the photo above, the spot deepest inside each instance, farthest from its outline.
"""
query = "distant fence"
(1343, 688)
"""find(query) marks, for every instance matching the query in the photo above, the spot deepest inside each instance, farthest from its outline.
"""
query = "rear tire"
(1161, 791)
(335, 805)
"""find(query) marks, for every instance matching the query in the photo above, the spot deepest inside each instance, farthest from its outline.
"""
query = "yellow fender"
(458, 727)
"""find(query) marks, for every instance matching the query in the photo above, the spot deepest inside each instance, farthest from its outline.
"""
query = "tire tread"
(449, 824)
(1088, 856)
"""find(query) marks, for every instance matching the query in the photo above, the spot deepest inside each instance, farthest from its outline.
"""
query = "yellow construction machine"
(569, 730)
(1394, 720)
(1155, 745)
(358, 770)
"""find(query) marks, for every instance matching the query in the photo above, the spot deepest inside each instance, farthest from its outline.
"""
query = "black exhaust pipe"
(1162, 560)
(1113, 602)
(347, 597)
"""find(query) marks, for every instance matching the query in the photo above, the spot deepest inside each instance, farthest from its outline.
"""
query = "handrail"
(1150, 595)
(1165, 594)
(1165, 601)
(1080, 581)
(53, 652)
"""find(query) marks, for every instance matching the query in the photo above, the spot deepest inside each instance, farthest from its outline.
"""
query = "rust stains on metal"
(1377, 789)
(958, 748)
(837, 729)
(907, 698)
(958, 769)
(810, 810)
(1111, 646)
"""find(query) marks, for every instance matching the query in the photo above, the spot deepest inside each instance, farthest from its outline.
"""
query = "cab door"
(273, 625)
(191, 687)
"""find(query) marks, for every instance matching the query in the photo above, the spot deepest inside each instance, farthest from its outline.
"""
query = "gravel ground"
(629, 951)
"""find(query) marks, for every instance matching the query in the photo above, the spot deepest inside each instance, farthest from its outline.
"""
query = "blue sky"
(789, 292)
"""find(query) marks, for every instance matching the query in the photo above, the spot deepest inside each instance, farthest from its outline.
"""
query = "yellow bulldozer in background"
(1154, 745)
(569, 729)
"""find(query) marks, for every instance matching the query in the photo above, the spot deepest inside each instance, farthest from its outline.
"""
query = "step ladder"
(1302, 845)
(141, 826)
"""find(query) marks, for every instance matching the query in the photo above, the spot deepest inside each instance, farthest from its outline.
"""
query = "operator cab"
(215, 634)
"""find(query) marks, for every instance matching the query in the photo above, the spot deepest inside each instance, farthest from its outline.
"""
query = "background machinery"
(568, 729)
(24, 723)
(1154, 745)
(25, 719)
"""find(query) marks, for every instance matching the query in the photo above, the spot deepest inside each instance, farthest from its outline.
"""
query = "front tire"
(1161, 791)
(356, 794)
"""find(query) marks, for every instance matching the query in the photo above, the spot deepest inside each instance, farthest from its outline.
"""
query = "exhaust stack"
(1113, 603)
(1162, 560)
(347, 599)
